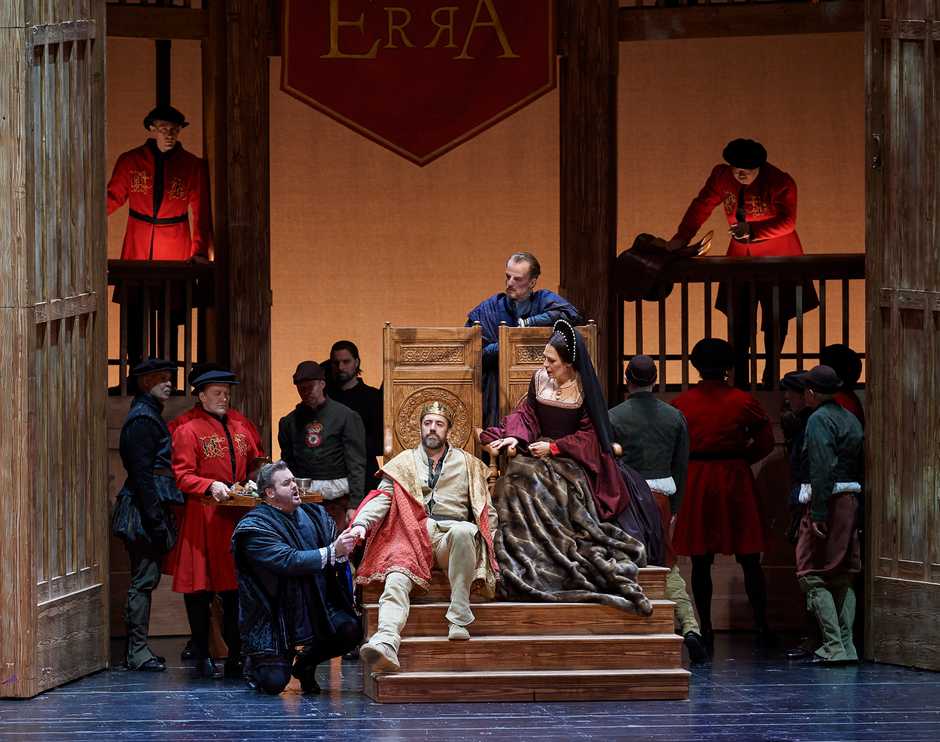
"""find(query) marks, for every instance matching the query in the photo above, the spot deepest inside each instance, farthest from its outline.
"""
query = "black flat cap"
(711, 355)
(843, 360)
(745, 153)
(641, 371)
(822, 379)
(214, 376)
(309, 371)
(165, 113)
(152, 366)
(793, 381)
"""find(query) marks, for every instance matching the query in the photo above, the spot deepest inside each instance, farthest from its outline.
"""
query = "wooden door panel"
(53, 582)
(903, 292)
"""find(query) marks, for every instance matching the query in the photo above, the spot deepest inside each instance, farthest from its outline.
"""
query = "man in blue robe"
(294, 590)
(520, 306)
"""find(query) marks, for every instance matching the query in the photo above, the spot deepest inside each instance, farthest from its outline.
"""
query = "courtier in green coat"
(655, 441)
(827, 550)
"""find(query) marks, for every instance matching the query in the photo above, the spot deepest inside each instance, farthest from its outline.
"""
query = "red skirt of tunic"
(202, 558)
(720, 512)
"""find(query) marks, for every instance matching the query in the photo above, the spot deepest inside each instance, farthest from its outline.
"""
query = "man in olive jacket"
(325, 441)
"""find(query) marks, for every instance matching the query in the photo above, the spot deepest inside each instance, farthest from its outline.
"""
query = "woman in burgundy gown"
(564, 501)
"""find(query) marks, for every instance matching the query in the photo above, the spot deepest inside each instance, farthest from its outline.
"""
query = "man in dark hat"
(828, 552)
(655, 442)
(728, 432)
(325, 441)
(521, 305)
(759, 201)
(163, 182)
(345, 385)
(212, 450)
(142, 518)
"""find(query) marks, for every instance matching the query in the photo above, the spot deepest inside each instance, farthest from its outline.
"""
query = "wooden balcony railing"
(678, 321)
(165, 310)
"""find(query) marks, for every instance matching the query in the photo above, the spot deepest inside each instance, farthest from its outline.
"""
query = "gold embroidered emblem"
(177, 189)
(140, 181)
(213, 447)
(241, 444)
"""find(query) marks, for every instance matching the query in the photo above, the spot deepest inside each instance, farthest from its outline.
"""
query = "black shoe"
(234, 669)
(209, 669)
(188, 652)
(798, 653)
(708, 639)
(162, 659)
(698, 653)
(352, 655)
(154, 664)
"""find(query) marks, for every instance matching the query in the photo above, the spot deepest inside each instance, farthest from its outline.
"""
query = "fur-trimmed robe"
(400, 543)
(552, 546)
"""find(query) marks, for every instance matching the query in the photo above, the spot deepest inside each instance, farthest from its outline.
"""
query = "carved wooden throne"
(423, 364)
(520, 353)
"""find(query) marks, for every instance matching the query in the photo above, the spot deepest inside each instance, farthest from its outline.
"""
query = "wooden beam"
(146, 22)
(248, 244)
(740, 19)
(588, 110)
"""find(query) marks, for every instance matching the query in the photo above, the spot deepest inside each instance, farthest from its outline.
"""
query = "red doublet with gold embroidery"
(769, 207)
(184, 186)
(202, 454)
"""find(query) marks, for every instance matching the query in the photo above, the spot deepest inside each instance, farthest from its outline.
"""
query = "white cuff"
(806, 493)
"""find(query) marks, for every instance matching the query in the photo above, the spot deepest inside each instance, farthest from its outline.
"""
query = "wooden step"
(545, 619)
(528, 685)
(562, 652)
(652, 580)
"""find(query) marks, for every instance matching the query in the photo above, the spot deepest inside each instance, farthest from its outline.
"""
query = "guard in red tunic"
(759, 201)
(728, 431)
(212, 450)
(162, 182)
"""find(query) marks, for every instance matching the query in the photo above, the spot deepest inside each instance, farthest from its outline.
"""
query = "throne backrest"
(423, 364)
(520, 353)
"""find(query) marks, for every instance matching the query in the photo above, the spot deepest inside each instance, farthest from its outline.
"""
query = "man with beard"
(432, 508)
(293, 583)
(325, 441)
(212, 450)
(142, 517)
(522, 305)
(346, 386)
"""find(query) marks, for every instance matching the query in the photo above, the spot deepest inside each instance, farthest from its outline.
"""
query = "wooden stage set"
(55, 586)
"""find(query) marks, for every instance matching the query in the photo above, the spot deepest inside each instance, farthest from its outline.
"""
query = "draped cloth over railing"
(163, 309)
(691, 303)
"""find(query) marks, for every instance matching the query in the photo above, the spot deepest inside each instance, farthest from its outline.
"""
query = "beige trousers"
(455, 552)
(677, 593)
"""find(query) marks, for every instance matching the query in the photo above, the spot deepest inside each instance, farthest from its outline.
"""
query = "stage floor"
(744, 694)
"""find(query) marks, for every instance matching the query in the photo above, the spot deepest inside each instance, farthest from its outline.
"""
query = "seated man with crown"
(432, 507)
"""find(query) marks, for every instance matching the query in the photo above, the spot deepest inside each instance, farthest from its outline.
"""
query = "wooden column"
(903, 299)
(248, 248)
(588, 44)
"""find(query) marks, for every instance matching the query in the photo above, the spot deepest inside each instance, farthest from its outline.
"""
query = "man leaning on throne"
(432, 508)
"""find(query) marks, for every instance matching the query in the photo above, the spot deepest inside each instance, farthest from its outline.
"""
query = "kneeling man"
(432, 507)
(293, 586)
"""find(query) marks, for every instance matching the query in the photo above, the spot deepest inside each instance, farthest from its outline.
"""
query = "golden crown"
(438, 408)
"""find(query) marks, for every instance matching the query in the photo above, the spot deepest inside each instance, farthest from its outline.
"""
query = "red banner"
(418, 76)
